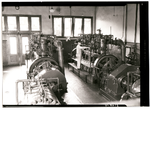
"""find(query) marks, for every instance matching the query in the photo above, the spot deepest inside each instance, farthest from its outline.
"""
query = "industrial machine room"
(70, 55)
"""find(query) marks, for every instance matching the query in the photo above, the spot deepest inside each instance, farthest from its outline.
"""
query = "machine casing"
(112, 85)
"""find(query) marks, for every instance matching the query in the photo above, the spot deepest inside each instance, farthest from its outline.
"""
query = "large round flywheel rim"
(39, 61)
(106, 63)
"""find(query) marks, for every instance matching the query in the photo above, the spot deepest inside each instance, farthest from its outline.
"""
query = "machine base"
(108, 96)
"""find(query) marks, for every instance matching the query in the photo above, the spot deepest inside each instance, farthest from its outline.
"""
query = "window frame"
(73, 24)
(18, 23)
(62, 31)
(4, 25)
(39, 24)
(64, 25)
(81, 25)
(28, 24)
(91, 24)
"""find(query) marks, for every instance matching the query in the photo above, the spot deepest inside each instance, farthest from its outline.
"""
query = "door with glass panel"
(12, 41)
(17, 46)
(24, 46)
(23, 37)
(18, 39)
(13, 49)
(18, 30)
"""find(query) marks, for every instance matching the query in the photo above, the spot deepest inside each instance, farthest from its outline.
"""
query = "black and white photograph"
(75, 54)
(74, 75)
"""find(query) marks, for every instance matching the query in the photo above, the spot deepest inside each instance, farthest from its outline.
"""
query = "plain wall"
(138, 25)
(131, 15)
(107, 17)
(131, 22)
(110, 17)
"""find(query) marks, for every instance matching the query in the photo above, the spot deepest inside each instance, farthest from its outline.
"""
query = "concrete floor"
(79, 92)
(86, 92)
(13, 73)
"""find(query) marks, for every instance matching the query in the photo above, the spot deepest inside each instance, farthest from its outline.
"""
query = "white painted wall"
(138, 26)
(131, 23)
(105, 19)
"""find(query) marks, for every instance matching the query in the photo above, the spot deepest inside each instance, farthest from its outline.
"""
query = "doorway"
(16, 31)
(17, 45)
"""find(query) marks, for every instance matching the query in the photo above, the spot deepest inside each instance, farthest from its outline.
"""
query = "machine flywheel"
(105, 65)
(44, 60)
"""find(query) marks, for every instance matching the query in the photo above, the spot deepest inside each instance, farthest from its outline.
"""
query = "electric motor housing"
(114, 84)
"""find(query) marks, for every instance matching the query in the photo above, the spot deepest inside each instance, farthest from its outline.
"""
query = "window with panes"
(12, 24)
(72, 26)
(21, 23)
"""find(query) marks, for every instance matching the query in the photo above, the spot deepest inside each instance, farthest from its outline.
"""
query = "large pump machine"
(46, 82)
(116, 76)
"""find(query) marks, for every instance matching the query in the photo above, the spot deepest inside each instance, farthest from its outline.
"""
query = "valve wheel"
(105, 64)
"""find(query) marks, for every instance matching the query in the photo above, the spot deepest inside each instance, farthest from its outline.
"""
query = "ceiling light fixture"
(51, 10)
(17, 7)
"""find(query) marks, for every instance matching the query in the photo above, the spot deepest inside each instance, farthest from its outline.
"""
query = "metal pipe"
(135, 26)
(123, 23)
(122, 45)
(58, 44)
(60, 58)
(30, 80)
(129, 76)
(110, 30)
(23, 80)
(126, 24)
(95, 19)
